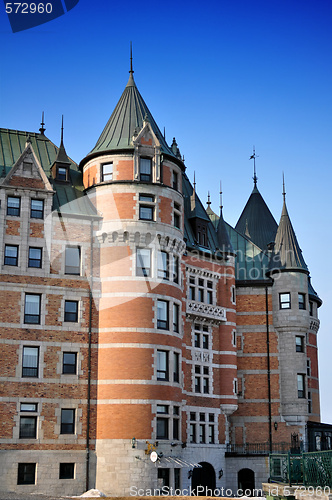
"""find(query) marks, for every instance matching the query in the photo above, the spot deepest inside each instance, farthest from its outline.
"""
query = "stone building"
(145, 342)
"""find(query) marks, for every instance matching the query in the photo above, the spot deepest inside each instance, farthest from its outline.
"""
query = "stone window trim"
(235, 386)
(171, 274)
(168, 418)
(172, 373)
(72, 313)
(301, 386)
(68, 405)
(199, 283)
(33, 309)
(233, 338)
(233, 295)
(147, 207)
(22, 413)
(42, 349)
(106, 171)
(143, 264)
(35, 257)
(202, 337)
(13, 206)
(69, 377)
(166, 324)
(299, 343)
(37, 208)
(73, 260)
(302, 301)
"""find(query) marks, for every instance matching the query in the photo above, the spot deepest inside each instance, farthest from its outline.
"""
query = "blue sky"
(220, 76)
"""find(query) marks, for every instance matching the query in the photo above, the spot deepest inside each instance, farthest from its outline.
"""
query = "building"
(145, 342)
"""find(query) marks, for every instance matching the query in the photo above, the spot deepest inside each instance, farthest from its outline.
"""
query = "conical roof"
(126, 120)
(287, 253)
(256, 221)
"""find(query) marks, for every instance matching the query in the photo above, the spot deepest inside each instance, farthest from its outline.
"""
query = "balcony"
(205, 312)
(233, 450)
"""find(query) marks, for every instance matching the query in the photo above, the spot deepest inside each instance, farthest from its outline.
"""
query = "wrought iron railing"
(309, 469)
(257, 448)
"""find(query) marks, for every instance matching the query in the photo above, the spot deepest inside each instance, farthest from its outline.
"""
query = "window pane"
(67, 421)
(162, 428)
(145, 169)
(301, 301)
(71, 310)
(13, 206)
(176, 376)
(62, 174)
(26, 473)
(32, 309)
(72, 260)
(176, 318)
(284, 300)
(35, 257)
(66, 471)
(37, 209)
(28, 427)
(107, 171)
(162, 314)
(69, 362)
(162, 365)
(29, 406)
(30, 362)
(11, 255)
(163, 265)
(146, 197)
(143, 261)
(145, 212)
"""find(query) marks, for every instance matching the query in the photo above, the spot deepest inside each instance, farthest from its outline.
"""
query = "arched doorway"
(205, 477)
(246, 481)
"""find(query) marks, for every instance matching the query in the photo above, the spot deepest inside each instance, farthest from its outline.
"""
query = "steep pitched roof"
(126, 119)
(256, 221)
(287, 253)
(68, 198)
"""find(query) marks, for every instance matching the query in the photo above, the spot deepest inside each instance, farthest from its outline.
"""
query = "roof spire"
(42, 129)
(283, 187)
(194, 182)
(220, 194)
(62, 155)
(131, 58)
(208, 200)
(253, 157)
(61, 131)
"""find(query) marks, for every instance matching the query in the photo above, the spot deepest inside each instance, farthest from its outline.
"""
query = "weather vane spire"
(253, 157)
(42, 128)
(283, 187)
(62, 130)
(131, 71)
(220, 194)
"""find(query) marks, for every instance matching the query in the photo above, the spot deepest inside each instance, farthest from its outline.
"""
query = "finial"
(208, 200)
(283, 187)
(131, 58)
(62, 130)
(42, 129)
(194, 182)
(220, 193)
(164, 133)
(253, 157)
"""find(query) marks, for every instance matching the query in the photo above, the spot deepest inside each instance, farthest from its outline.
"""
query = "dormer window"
(107, 172)
(62, 174)
(145, 169)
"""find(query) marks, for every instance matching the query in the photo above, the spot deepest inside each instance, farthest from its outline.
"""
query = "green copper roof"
(126, 119)
(256, 221)
(69, 198)
(287, 253)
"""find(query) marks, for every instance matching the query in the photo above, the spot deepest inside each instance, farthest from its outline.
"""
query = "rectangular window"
(192, 293)
(175, 180)
(26, 474)
(32, 309)
(284, 300)
(62, 174)
(176, 422)
(209, 297)
(202, 433)
(143, 262)
(302, 301)
(163, 265)
(176, 269)
(11, 255)
(177, 220)
(71, 311)
(73, 260)
(162, 422)
(300, 385)
(176, 367)
(35, 257)
(29, 407)
(69, 363)
(162, 365)
(37, 209)
(211, 434)
(145, 169)
(192, 433)
(162, 315)
(309, 402)
(308, 367)
(28, 427)
(299, 343)
(311, 308)
(205, 341)
(177, 479)
(107, 172)
(146, 212)
(163, 476)
(67, 421)
(176, 310)
(66, 470)
(13, 206)
(30, 361)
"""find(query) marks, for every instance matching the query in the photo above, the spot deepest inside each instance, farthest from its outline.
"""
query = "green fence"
(309, 469)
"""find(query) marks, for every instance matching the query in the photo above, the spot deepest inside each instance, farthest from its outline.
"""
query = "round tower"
(134, 180)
